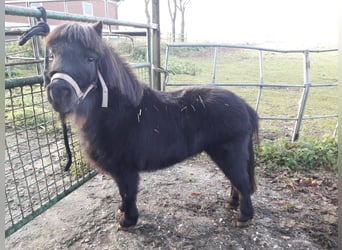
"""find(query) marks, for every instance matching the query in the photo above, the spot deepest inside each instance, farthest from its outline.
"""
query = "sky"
(290, 23)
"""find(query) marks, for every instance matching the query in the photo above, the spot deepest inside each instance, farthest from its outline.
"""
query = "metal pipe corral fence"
(305, 86)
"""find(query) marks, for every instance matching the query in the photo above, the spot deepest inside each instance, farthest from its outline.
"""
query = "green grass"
(79, 167)
(13, 52)
(305, 154)
(27, 107)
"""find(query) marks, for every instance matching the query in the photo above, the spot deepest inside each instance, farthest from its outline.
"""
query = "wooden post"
(156, 82)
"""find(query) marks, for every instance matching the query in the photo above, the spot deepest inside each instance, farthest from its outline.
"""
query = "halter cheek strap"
(81, 95)
(104, 91)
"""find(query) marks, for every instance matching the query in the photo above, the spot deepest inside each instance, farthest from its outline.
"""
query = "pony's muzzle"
(61, 96)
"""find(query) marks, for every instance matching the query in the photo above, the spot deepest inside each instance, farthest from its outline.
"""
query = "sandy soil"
(184, 208)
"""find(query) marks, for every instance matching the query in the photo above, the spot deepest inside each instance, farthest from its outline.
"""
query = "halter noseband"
(81, 95)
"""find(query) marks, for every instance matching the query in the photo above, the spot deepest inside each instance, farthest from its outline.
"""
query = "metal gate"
(35, 153)
(261, 85)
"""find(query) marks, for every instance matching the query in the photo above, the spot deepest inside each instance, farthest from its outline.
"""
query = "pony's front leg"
(128, 188)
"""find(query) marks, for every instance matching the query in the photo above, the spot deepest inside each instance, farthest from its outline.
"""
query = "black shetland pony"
(126, 127)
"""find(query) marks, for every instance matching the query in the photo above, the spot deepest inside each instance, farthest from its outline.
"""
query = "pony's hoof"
(120, 213)
(126, 222)
(232, 206)
(243, 224)
(119, 227)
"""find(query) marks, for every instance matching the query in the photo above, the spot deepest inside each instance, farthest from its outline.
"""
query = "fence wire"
(35, 156)
(34, 176)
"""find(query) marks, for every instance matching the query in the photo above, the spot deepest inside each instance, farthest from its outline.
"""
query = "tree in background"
(173, 13)
(147, 12)
(181, 6)
(173, 6)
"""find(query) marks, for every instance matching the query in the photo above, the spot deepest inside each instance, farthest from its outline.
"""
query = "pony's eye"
(91, 59)
(52, 56)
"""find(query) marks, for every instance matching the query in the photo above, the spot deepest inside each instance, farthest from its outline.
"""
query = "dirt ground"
(184, 208)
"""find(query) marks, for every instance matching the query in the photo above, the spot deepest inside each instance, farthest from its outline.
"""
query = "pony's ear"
(98, 27)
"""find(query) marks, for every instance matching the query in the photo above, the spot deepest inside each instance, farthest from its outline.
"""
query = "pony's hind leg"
(232, 159)
(128, 187)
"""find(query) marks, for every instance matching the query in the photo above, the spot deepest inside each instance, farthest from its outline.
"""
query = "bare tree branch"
(173, 14)
(181, 7)
(147, 12)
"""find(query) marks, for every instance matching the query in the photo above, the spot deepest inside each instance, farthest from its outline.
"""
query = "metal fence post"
(303, 99)
(166, 67)
(261, 76)
(149, 55)
(213, 78)
(35, 47)
(156, 46)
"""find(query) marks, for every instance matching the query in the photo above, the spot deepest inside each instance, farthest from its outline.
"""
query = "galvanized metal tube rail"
(222, 45)
(31, 80)
(24, 63)
(269, 85)
(22, 11)
(273, 118)
(23, 81)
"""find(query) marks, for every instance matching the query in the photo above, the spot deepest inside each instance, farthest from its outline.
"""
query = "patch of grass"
(79, 167)
(186, 68)
(288, 207)
(17, 53)
(27, 107)
(305, 154)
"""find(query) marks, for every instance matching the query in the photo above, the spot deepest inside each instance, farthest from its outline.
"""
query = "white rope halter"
(81, 95)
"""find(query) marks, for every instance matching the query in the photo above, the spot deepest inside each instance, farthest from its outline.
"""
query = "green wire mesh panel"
(35, 154)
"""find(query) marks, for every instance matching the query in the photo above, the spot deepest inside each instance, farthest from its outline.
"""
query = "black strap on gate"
(42, 29)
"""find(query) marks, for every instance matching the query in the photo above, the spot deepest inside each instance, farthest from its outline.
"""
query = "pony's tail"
(251, 166)
(254, 137)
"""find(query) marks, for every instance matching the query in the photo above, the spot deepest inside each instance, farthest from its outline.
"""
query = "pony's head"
(80, 62)
(75, 51)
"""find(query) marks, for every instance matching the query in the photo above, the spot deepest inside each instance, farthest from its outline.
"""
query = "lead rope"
(66, 142)
(42, 29)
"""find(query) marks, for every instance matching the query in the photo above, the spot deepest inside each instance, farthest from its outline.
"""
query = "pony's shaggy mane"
(84, 35)
(115, 71)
